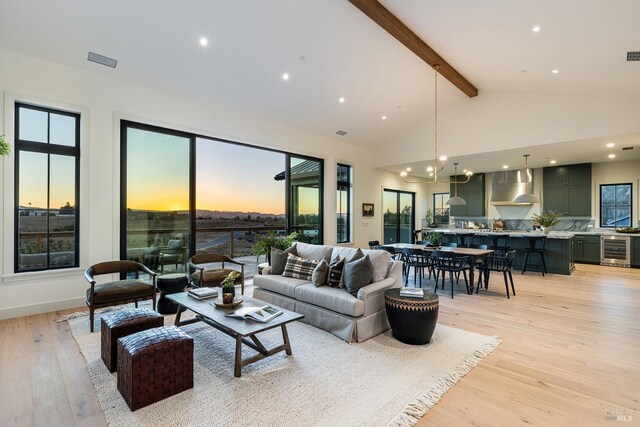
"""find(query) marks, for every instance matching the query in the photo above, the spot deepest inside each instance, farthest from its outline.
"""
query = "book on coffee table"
(412, 292)
(259, 314)
(203, 293)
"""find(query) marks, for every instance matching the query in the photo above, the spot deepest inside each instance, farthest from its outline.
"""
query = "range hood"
(507, 185)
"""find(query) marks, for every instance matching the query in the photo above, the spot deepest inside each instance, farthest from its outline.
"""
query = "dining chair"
(450, 245)
(445, 261)
(419, 260)
(373, 244)
(534, 245)
(498, 263)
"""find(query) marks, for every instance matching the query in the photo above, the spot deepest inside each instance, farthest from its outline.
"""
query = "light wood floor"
(570, 352)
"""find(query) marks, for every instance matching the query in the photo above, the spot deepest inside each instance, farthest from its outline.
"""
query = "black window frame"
(630, 205)
(49, 149)
(442, 194)
(343, 185)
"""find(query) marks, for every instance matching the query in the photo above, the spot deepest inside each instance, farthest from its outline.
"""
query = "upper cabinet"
(473, 192)
(567, 189)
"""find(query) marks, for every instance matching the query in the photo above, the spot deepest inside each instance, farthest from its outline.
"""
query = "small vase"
(228, 294)
(545, 230)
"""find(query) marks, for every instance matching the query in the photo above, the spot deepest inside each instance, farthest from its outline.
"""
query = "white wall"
(102, 102)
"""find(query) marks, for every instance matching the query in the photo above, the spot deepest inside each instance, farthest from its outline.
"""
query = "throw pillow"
(279, 259)
(356, 256)
(174, 244)
(334, 278)
(357, 274)
(299, 268)
(319, 276)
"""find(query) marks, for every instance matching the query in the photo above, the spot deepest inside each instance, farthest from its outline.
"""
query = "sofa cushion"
(214, 276)
(357, 274)
(299, 268)
(279, 259)
(342, 252)
(120, 290)
(305, 250)
(334, 278)
(279, 284)
(380, 260)
(320, 274)
(334, 299)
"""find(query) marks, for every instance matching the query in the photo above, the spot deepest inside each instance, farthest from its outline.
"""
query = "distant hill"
(203, 213)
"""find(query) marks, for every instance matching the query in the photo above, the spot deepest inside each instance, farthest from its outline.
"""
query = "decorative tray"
(628, 230)
(236, 302)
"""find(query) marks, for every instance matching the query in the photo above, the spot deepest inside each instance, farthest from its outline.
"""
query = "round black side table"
(412, 319)
(170, 284)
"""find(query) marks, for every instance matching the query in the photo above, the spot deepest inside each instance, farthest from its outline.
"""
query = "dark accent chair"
(119, 291)
(499, 263)
(212, 276)
(444, 262)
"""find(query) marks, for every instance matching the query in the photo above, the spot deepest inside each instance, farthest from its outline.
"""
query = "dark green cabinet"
(567, 189)
(635, 251)
(586, 248)
(473, 192)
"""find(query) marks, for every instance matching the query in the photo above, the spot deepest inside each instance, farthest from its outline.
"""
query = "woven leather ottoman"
(122, 323)
(153, 365)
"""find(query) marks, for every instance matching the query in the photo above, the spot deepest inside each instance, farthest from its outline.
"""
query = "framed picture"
(367, 209)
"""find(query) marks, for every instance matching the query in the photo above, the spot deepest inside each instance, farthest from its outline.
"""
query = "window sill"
(345, 244)
(47, 274)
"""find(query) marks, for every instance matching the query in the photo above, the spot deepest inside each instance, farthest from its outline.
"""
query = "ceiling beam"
(388, 21)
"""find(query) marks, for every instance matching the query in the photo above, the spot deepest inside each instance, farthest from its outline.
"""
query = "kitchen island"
(558, 254)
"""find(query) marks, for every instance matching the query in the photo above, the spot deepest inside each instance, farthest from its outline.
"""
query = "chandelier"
(438, 161)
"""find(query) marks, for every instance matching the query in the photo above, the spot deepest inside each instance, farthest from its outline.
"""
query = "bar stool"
(499, 243)
(465, 239)
(534, 245)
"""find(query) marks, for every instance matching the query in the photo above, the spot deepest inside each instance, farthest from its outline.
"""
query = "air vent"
(633, 56)
(627, 148)
(341, 132)
(102, 60)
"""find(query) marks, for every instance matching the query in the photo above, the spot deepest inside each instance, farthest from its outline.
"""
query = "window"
(47, 147)
(343, 203)
(399, 216)
(440, 208)
(615, 205)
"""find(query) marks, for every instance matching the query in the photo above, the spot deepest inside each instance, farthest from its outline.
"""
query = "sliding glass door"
(156, 193)
(304, 180)
(399, 216)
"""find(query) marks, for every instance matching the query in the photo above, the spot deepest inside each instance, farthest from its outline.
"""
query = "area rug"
(325, 382)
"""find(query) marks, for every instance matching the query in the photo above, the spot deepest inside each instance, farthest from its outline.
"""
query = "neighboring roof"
(306, 168)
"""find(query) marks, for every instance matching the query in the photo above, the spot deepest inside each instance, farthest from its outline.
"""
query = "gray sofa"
(334, 309)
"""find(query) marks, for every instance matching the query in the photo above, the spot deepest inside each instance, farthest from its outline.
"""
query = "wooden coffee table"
(244, 331)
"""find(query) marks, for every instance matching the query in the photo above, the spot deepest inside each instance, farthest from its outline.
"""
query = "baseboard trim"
(28, 310)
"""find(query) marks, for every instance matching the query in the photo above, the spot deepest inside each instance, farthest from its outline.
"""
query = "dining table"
(473, 253)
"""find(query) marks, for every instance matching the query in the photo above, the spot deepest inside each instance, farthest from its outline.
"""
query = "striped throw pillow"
(299, 268)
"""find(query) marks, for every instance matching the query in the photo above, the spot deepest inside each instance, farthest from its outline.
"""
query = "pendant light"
(526, 198)
(455, 200)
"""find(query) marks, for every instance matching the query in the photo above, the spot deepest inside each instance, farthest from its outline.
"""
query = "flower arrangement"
(230, 280)
(546, 219)
(5, 148)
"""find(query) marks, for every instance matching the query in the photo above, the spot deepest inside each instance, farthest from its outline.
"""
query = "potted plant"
(270, 240)
(5, 148)
(434, 238)
(546, 220)
(228, 286)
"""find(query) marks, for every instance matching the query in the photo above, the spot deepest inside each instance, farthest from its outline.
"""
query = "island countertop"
(510, 233)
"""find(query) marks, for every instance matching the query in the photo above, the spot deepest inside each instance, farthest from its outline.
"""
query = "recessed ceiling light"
(553, 162)
(203, 41)
(612, 156)
(505, 166)
(403, 173)
(443, 158)
(285, 76)
(408, 169)
(555, 71)
(611, 144)
(431, 174)
(536, 29)
(430, 169)
(384, 117)
(341, 100)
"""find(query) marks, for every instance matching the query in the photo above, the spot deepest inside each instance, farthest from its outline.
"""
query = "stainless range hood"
(507, 185)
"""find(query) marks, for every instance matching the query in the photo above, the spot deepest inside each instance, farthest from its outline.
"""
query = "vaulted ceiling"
(330, 49)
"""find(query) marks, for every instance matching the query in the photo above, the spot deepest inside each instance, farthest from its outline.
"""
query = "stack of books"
(412, 292)
(203, 293)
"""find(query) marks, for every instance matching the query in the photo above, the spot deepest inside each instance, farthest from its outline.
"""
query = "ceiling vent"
(102, 60)
(341, 132)
(633, 56)
(627, 148)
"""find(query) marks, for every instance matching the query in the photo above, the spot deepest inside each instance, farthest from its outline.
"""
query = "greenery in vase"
(5, 148)
(434, 238)
(546, 219)
(265, 243)
(429, 216)
(230, 281)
